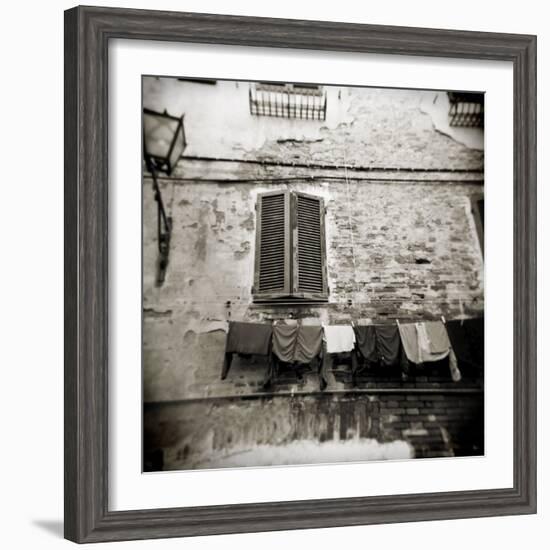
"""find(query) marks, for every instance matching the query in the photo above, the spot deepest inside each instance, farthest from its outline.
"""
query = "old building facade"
(399, 191)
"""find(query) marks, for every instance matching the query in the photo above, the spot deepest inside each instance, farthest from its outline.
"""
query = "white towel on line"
(339, 338)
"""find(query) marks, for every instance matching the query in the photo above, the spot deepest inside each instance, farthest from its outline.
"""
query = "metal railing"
(466, 109)
(302, 101)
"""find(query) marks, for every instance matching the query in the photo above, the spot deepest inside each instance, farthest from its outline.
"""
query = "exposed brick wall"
(387, 129)
(396, 250)
(432, 424)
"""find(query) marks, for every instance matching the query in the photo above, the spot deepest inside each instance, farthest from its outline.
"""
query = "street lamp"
(163, 145)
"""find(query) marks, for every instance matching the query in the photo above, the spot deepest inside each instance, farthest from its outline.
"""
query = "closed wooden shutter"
(272, 268)
(309, 258)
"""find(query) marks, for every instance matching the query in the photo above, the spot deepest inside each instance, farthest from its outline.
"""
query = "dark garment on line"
(379, 343)
(309, 343)
(297, 343)
(293, 343)
(475, 330)
(248, 338)
(388, 344)
(459, 341)
(467, 340)
(365, 339)
(284, 341)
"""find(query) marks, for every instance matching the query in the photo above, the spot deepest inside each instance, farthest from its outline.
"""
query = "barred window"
(303, 101)
(466, 109)
(290, 263)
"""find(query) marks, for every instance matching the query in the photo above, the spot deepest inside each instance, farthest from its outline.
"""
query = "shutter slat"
(309, 254)
(271, 263)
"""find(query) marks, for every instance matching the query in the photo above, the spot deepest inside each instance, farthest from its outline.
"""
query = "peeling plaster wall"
(437, 105)
(218, 122)
(364, 126)
(401, 243)
(377, 232)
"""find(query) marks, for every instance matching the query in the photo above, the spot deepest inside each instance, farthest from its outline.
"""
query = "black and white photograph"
(313, 273)
(274, 275)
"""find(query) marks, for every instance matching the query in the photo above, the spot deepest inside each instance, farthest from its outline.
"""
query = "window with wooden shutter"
(272, 269)
(309, 280)
(290, 248)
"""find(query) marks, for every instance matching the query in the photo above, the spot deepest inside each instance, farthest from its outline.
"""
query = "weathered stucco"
(395, 250)
(311, 429)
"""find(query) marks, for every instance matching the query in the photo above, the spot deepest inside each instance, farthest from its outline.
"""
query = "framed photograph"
(300, 274)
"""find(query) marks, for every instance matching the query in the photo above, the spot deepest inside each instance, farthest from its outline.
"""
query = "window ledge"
(288, 303)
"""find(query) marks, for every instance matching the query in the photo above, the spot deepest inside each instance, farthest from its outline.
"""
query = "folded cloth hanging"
(339, 338)
(459, 341)
(388, 344)
(284, 341)
(434, 345)
(248, 338)
(433, 342)
(475, 330)
(437, 336)
(409, 339)
(365, 337)
(309, 343)
(294, 343)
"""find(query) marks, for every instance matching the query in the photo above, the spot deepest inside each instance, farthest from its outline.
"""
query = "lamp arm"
(163, 218)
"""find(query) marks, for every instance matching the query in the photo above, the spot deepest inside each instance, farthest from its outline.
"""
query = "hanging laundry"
(284, 341)
(309, 343)
(339, 338)
(434, 345)
(336, 339)
(381, 344)
(388, 344)
(293, 343)
(475, 330)
(459, 341)
(433, 342)
(409, 339)
(246, 338)
(365, 337)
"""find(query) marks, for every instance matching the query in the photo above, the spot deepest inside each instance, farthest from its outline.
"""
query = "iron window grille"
(290, 261)
(466, 109)
(303, 101)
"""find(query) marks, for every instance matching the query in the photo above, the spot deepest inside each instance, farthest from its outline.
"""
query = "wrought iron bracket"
(164, 229)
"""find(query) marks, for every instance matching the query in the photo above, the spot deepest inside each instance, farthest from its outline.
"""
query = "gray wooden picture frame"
(87, 34)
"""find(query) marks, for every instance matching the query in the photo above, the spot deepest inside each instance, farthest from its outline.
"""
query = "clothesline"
(353, 323)
(385, 344)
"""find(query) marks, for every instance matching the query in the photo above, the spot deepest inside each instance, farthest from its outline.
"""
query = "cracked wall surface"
(312, 429)
(395, 250)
